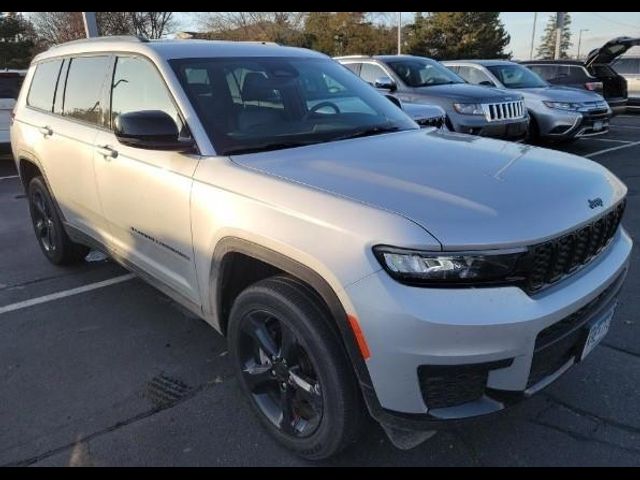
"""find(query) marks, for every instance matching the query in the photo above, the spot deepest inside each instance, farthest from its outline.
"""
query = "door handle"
(46, 131)
(107, 152)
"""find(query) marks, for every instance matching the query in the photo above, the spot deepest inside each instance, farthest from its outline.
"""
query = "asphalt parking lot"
(110, 372)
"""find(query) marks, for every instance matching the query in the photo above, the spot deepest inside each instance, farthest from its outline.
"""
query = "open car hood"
(610, 51)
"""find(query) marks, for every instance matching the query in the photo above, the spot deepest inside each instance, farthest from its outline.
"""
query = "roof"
(553, 62)
(484, 63)
(169, 49)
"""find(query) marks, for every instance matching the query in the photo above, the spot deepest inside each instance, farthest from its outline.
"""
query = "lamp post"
(90, 24)
(580, 40)
(533, 34)
(399, 33)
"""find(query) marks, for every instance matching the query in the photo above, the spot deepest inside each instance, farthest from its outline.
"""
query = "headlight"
(414, 266)
(563, 105)
(468, 108)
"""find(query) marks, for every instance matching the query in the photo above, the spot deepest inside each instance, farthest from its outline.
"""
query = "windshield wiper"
(265, 147)
(366, 132)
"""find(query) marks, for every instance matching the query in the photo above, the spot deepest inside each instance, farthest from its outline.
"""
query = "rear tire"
(277, 328)
(47, 225)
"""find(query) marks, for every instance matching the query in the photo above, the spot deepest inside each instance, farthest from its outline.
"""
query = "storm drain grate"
(164, 391)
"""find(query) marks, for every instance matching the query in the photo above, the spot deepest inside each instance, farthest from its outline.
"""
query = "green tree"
(455, 35)
(346, 33)
(17, 41)
(547, 48)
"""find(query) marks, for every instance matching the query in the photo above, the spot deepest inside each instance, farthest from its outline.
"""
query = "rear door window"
(43, 85)
(473, 75)
(83, 99)
(370, 73)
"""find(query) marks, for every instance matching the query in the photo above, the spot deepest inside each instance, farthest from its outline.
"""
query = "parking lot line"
(607, 140)
(9, 176)
(65, 293)
(612, 149)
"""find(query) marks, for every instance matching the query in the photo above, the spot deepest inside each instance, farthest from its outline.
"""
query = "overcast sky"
(602, 26)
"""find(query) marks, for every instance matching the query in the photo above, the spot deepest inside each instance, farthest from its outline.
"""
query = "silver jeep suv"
(354, 261)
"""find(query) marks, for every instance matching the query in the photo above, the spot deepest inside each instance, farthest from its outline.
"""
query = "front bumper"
(476, 125)
(408, 328)
(562, 125)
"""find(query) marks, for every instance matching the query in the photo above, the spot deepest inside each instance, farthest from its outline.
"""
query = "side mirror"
(151, 130)
(385, 83)
(395, 100)
(487, 83)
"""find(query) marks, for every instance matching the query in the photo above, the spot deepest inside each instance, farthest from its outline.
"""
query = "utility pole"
(90, 24)
(399, 33)
(533, 34)
(580, 41)
(559, 28)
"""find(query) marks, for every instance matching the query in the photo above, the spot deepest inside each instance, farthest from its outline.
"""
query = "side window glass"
(137, 86)
(477, 76)
(354, 67)
(370, 73)
(43, 85)
(83, 91)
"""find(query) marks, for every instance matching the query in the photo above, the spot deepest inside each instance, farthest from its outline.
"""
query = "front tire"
(47, 225)
(292, 366)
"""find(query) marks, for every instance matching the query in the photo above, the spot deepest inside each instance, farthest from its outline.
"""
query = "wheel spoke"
(307, 388)
(257, 328)
(288, 344)
(38, 202)
(41, 227)
(286, 403)
(257, 376)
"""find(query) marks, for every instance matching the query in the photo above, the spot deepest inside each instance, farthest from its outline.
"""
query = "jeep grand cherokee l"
(354, 261)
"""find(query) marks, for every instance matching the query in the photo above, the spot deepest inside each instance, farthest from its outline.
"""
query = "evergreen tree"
(455, 35)
(547, 48)
(17, 41)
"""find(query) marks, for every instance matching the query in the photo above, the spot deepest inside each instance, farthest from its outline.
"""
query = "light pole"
(90, 24)
(399, 33)
(580, 40)
(533, 34)
(559, 29)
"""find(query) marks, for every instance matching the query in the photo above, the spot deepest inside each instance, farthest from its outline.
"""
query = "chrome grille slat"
(495, 112)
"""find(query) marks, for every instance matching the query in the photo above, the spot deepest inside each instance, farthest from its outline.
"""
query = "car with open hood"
(557, 113)
(356, 263)
(470, 109)
(595, 73)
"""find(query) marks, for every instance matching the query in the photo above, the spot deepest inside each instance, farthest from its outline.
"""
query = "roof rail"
(107, 38)
(352, 56)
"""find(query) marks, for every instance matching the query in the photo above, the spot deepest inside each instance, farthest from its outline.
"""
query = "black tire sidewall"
(325, 353)
(37, 185)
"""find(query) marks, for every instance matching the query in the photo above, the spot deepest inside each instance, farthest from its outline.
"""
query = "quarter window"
(43, 85)
(137, 86)
(370, 73)
(83, 92)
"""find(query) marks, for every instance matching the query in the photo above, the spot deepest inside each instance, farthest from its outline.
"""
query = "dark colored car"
(595, 73)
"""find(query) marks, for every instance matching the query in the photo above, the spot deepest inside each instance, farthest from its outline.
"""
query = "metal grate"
(495, 112)
(164, 391)
(549, 262)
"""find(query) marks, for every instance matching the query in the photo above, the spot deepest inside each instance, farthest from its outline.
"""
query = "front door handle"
(46, 131)
(107, 152)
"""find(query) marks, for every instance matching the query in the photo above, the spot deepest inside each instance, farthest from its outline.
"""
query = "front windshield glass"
(423, 72)
(256, 104)
(517, 76)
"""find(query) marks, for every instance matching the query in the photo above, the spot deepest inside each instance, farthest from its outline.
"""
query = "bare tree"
(284, 27)
(58, 27)
(152, 24)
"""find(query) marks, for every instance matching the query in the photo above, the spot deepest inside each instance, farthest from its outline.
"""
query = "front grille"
(561, 341)
(495, 112)
(445, 386)
(549, 262)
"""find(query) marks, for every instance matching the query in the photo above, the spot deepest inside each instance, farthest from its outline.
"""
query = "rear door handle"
(46, 131)
(107, 152)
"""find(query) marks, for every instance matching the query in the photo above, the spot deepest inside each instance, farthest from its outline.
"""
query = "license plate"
(597, 126)
(597, 332)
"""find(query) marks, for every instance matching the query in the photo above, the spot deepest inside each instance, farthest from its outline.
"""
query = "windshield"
(423, 72)
(266, 103)
(517, 76)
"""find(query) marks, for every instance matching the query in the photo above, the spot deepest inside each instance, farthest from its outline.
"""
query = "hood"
(561, 94)
(610, 51)
(466, 92)
(421, 112)
(468, 192)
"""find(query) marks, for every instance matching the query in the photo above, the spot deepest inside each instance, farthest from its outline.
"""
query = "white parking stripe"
(10, 176)
(607, 140)
(612, 149)
(65, 293)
